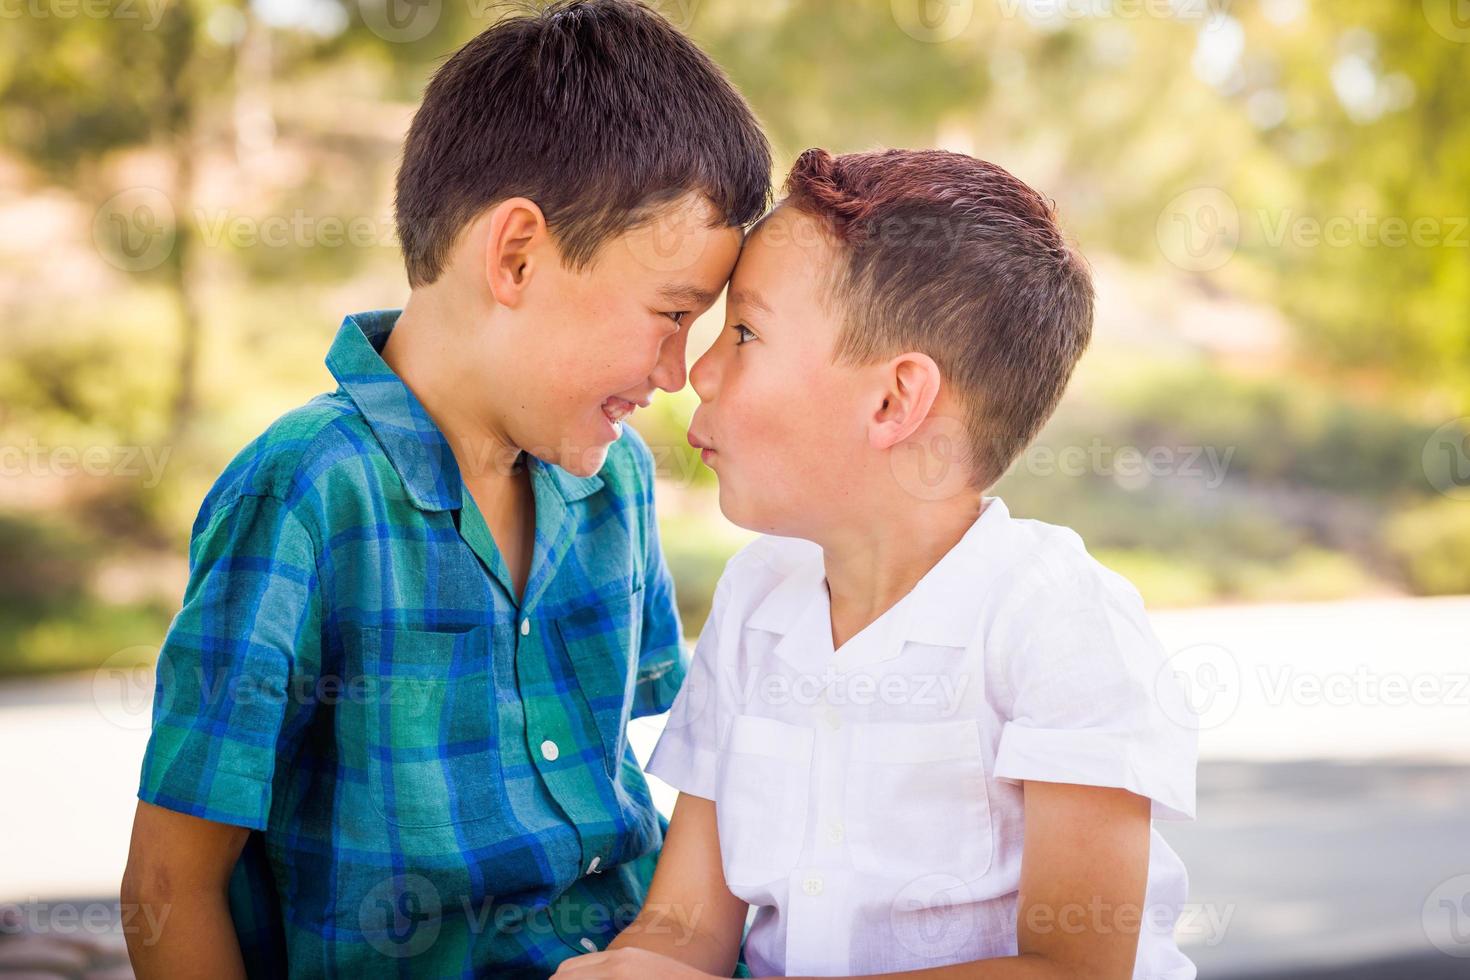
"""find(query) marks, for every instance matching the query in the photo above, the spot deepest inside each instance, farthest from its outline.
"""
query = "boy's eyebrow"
(686, 295)
(744, 297)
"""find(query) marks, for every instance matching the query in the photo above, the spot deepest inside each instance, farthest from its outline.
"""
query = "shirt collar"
(415, 447)
(941, 610)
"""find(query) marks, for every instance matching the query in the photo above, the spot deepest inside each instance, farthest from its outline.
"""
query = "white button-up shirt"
(868, 799)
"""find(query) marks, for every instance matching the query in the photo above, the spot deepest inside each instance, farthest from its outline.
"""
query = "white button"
(834, 831)
(592, 868)
(588, 944)
(812, 885)
(549, 750)
(525, 627)
(833, 718)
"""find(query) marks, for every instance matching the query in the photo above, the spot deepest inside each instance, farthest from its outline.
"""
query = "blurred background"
(1270, 435)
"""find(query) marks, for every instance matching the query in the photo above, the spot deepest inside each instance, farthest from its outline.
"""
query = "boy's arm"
(1084, 871)
(177, 876)
(226, 708)
(689, 916)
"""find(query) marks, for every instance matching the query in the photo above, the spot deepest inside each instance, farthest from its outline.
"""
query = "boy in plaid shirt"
(389, 728)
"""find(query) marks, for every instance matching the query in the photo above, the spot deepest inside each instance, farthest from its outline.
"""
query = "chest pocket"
(421, 724)
(917, 800)
(764, 784)
(602, 643)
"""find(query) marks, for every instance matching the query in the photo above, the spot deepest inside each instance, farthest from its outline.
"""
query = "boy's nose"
(702, 375)
(668, 373)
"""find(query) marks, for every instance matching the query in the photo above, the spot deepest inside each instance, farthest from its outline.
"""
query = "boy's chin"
(742, 513)
(583, 462)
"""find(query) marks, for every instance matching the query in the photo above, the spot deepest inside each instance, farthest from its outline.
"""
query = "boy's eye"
(678, 317)
(743, 334)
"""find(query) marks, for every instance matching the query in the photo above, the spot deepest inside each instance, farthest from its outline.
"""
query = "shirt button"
(833, 718)
(592, 868)
(587, 944)
(812, 885)
(525, 627)
(835, 832)
(549, 751)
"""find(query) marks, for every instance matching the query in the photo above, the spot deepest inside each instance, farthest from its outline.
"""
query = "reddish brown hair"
(958, 259)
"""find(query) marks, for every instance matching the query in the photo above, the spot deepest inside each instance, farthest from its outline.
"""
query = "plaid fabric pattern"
(439, 776)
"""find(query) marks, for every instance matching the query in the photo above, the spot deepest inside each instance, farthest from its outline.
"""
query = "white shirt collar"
(941, 610)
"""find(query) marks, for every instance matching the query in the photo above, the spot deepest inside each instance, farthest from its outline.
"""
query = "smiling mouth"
(616, 409)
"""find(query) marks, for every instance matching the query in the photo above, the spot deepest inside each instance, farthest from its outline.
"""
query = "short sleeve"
(1091, 702)
(661, 660)
(249, 627)
(687, 751)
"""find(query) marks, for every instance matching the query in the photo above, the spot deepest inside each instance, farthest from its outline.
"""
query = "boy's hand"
(627, 964)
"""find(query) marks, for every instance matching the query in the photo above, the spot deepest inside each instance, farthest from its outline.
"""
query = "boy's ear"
(517, 227)
(911, 384)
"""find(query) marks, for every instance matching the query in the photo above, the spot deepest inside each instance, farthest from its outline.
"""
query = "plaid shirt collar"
(411, 440)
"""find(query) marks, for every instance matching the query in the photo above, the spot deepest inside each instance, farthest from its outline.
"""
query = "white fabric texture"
(868, 799)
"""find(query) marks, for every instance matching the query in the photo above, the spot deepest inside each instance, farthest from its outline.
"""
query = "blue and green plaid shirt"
(439, 776)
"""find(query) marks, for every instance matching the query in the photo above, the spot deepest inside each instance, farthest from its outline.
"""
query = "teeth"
(616, 409)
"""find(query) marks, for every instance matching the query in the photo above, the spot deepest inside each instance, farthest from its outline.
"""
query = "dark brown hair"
(958, 259)
(597, 110)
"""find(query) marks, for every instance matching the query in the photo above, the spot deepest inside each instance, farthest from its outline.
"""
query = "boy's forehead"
(685, 247)
(793, 233)
(786, 245)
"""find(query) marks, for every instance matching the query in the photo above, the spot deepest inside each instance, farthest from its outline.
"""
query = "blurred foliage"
(1264, 488)
(1433, 543)
(1301, 116)
(49, 618)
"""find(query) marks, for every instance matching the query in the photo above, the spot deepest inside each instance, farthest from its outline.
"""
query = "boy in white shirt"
(920, 737)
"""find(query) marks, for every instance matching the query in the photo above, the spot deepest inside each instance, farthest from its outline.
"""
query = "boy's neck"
(873, 566)
(425, 350)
